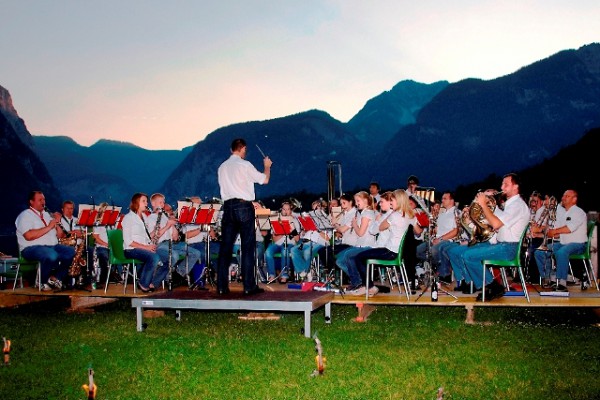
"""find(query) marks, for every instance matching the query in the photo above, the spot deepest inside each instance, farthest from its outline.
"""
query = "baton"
(261, 152)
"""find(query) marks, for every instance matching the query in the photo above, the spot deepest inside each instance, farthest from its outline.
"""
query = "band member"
(308, 247)
(374, 189)
(101, 248)
(571, 228)
(137, 244)
(198, 236)
(344, 234)
(397, 224)
(67, 220)
(508, 224)
(166, 237)
(236, 181)
(282, 244)
(445, 229)
(364, 216)
(535, 236)
(37, 235)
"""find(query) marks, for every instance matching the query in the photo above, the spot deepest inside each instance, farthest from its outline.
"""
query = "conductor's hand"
(267, 162)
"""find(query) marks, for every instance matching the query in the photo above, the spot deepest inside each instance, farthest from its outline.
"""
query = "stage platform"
(281, 298)
(269, 301)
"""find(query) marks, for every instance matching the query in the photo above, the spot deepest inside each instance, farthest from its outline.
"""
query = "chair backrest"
(115, 245)
(517, 259)
(401, 248)
(588, 248)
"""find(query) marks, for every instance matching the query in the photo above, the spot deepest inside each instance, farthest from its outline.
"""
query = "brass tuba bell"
(482, 229)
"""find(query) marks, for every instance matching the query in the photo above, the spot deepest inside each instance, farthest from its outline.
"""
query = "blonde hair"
(403, 203)
(365, 196)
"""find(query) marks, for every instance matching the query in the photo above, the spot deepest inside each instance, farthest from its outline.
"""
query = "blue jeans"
(238, 218)
(346, 260)
(152, 270)
(53, 260)
(471, 257)
(434, 250)
(178, 250)
(302, 254)
(285, 259)
(445, 265)
(561, 255)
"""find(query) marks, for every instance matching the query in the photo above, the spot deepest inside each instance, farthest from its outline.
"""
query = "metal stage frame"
(305, 302)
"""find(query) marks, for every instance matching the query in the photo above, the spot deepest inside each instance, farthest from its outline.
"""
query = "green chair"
(586, 256)
(24, 266)
(514, 263)
(391, 265)
(116, 256)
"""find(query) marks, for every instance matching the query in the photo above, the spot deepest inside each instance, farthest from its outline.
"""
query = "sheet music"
(321, 219)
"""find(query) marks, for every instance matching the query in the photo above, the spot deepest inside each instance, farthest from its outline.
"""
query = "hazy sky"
(164, 74)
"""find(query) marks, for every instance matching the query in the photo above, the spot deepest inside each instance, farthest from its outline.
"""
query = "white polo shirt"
(31, 219)
(237, 178)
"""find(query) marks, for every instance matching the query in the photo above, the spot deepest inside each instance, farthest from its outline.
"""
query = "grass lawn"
(400, 353)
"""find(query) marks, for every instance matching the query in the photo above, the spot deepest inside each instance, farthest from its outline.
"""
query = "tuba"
(547, 220)
(482, 229)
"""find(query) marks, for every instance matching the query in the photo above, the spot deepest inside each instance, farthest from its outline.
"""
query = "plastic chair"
(398, 262)
(116, 256)
(25, 266)
(586, 256)
(514, 263)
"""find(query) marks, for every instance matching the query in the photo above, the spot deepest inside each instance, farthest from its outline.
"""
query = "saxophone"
(79, 260)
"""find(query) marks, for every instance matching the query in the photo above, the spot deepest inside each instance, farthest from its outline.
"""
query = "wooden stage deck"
(84, 300)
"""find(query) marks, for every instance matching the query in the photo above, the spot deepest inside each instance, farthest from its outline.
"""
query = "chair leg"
(405, 282)
(135, 278)
(483, 285)
(590, 272)
(126, 274)
(397, 279)
(524, 284)
(16, 277)
(369, 267)
(388, 272)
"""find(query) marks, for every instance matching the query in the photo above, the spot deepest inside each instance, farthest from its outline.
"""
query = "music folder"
(207, 214)
(281, 225)
(186, 211)
(87, 215)
(109, 216)
(307, 222)
(322, 219)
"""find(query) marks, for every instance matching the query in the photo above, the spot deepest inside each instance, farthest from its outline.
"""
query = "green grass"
(400, 353)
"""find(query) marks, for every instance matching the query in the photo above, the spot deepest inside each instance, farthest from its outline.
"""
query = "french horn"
(482, 229)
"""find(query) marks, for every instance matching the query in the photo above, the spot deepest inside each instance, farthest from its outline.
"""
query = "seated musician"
(361, 223)
(308, 247)
(445, 229)
(535, 236)
(68, 221)
(37, 235)
(197, 236)
(571, 228)
(282, 244)
(166, 237)
(344, 234)
(508, 225)
(137, 244)
(397, 224)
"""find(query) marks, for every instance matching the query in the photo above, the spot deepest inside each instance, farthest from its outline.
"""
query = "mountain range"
(451, 135)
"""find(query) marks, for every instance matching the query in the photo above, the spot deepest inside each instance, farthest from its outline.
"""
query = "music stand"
(206, 216)
(282, 226)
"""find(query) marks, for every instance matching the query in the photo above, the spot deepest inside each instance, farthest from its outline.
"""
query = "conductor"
(236, 182)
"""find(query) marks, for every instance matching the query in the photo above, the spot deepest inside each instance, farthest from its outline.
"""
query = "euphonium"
(546, 220)
(483, 229)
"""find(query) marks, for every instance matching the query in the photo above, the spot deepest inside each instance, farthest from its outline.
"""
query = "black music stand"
(87, 218)
(309, 225)
(262, 224)
(282, 226)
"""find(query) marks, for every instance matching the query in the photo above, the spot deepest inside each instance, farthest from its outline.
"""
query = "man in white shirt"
(571, 227)
(236, 181)
(37, 235)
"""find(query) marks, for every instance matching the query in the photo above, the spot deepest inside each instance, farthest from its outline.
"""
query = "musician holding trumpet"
(508, 224)
(571, 228)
